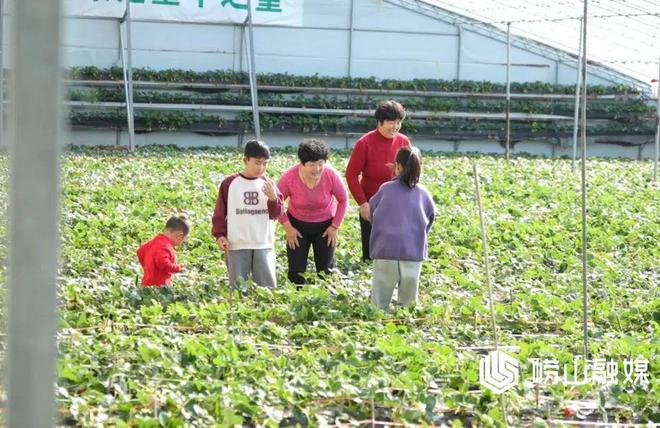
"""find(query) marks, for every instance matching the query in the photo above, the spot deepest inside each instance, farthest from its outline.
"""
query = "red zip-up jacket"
(158, 260)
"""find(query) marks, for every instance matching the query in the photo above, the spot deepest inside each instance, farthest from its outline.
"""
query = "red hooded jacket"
(158, 260)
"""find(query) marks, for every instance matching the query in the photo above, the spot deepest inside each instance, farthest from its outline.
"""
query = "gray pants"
(390, 273)
(259, 263)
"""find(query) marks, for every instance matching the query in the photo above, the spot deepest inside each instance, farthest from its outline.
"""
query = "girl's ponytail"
(410, 160)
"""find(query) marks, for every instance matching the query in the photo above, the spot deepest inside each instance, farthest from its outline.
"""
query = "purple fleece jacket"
(401, 218)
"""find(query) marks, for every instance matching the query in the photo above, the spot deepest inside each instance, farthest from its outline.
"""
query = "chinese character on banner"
(641, 372)
(166, 2)
(269, 6)
(576, 371)
(628, 368)
(551, 371)
(598, 371)
(537, 371)
(611, 372)
(233, 3)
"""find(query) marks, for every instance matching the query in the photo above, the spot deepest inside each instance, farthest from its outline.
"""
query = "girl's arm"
(430, 210)
(374, 202)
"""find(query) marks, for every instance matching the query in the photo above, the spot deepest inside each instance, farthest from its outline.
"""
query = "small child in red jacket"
(157, 256)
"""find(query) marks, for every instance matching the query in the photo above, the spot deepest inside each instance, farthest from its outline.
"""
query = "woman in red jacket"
(373, 159)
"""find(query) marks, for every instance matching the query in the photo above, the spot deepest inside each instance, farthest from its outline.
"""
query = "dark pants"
(365, 232)
(324, 255)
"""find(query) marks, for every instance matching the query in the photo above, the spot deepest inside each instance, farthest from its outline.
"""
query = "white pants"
(390, 273)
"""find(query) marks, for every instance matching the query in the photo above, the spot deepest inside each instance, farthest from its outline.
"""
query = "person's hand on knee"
(331, 233)
(292, 236)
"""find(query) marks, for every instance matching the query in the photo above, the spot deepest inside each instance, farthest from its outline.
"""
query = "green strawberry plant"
(202, 356)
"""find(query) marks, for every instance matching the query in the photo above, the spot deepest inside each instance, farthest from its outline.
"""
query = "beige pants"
(390, 273)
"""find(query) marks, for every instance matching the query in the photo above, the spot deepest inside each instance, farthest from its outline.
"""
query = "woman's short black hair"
(256, 149)
(389, 110)
(312, 150)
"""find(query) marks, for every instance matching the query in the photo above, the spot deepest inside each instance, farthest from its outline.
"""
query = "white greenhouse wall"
(388, 41)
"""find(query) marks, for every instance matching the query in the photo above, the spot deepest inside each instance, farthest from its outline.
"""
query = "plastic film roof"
(622, 35)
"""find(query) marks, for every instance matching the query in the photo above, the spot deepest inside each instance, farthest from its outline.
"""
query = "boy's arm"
(355, 167)
(219, 219)
(165, 261)
(276, 207)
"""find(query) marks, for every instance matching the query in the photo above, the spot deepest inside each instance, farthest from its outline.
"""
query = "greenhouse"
(330, 213)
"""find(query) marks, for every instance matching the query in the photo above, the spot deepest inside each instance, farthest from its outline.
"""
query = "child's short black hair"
(389, 110)
(312, 150)
(178, 224)
(410, 160)
(256, 149)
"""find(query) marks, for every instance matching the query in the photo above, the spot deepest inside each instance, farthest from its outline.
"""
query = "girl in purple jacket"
(402, 213)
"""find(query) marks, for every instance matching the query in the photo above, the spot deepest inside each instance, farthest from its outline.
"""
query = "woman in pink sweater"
(317, 205)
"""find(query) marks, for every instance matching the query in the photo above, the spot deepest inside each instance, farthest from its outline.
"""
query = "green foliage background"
(323, 355)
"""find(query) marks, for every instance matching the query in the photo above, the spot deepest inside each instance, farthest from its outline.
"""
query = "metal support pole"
(585, 296)
(33, 212)
(508, 90)
(242, 46)
(484, 242)
(657, 129)
(233, 44)
(128, 78)
(576, 114)
(129, 106)
(253, 75)
(350, 38)
(458, 55)
(2, 72)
